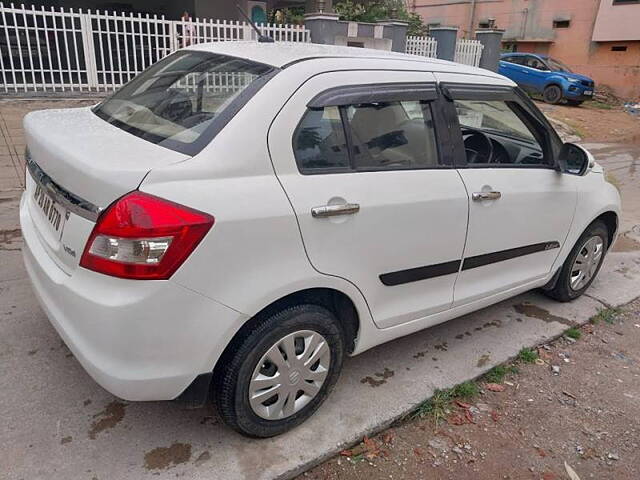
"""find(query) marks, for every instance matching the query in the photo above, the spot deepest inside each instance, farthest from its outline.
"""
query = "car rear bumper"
(140, 340)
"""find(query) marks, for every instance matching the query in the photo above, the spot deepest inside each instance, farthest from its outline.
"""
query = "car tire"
(567, 287)
(574, 103)
(257, 366)
(552, 94)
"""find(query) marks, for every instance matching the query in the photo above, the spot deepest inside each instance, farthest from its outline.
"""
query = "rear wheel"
(552, 94)
(583, 263)
(281, 372)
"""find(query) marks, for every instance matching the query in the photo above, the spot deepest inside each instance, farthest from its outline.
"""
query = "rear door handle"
(479, 196)
(335, 210)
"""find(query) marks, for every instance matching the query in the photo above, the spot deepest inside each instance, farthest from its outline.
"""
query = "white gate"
(57, 50)
(468, 52)
(424, 46)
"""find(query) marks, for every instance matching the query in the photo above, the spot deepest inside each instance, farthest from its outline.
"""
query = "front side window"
(497, 133)
(174, 102)
(366, 137)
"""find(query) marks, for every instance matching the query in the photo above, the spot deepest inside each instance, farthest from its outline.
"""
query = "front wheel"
(279, 374)
(552, 94)
(583, 263)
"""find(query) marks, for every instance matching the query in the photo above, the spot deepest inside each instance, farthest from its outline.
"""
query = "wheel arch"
(553, 83)
(610, 219)
(334, 300)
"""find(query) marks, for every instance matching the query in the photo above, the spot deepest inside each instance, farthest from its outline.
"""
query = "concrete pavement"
(56, 423)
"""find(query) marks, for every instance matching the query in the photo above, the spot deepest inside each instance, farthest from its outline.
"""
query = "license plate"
(51, 211)
(588, 92)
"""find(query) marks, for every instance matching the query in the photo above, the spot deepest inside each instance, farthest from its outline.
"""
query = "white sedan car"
(240, 216)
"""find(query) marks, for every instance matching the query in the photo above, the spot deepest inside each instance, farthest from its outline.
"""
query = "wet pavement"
(621, 163)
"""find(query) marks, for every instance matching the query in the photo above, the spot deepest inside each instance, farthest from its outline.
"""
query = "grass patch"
(497, 374)
(527, 355)
(600, 105)
(466, 390)
(574, 333)
(577, 130)
(607, 315)
(438, 406)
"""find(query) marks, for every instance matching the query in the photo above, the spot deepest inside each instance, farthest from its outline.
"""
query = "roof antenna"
(261, 38)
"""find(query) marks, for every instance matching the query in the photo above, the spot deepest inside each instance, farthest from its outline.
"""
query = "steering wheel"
(478, 146)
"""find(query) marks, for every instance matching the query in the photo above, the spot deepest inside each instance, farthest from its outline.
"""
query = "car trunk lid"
(78, 164)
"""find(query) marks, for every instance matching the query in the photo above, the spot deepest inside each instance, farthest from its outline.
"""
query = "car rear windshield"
(175, 102)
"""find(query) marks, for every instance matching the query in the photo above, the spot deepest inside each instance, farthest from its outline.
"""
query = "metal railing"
(71, 50)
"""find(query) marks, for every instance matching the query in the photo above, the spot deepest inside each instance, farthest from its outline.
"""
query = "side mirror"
(573, 159)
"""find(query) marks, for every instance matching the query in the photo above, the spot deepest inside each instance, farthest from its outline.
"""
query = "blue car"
(547, 76)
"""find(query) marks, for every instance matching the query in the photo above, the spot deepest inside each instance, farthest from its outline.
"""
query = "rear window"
(177, 101)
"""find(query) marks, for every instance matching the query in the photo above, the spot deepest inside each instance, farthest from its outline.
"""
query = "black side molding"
(419, 273)
(431, 271)
(501, 256)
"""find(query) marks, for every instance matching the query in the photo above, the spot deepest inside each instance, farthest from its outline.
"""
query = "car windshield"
(173, 102)
(558, 66)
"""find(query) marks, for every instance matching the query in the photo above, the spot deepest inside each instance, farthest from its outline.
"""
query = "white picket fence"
(424, 46)
(66, 50)
(468, 52)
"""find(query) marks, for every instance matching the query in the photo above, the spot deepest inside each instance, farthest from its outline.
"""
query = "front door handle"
(479, 196)
(334, 210)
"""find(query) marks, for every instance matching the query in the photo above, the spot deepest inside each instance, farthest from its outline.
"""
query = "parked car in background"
(546, 76)
(241, 216)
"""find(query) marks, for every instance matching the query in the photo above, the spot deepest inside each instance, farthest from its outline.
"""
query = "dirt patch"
(533, 311)
(544, 423)
(383, 378)
(108, 418)
(8, 237)
(203, 458)
(162, 458)
(483, 360)
(595, 122)
(625, 244)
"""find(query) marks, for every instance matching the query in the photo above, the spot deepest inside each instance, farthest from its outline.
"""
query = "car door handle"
(334, 210)
(479, 196)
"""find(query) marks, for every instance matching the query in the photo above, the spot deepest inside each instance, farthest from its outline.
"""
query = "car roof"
(522, 54)
(283, 54)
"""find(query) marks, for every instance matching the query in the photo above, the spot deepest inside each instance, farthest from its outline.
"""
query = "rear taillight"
(144, 237)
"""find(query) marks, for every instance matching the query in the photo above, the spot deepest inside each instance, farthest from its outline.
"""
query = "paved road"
(56, 423)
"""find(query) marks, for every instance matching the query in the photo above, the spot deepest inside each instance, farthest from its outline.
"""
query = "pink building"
(599, 38)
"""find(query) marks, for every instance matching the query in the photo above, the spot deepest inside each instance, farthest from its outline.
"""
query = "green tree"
(359, 11)
(374, 10)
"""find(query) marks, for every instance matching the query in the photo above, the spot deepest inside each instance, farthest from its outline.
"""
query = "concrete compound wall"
(529, 27)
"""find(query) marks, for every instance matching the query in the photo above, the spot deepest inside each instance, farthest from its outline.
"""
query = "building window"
(619, 48)
(622, 2)
(561, 23)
